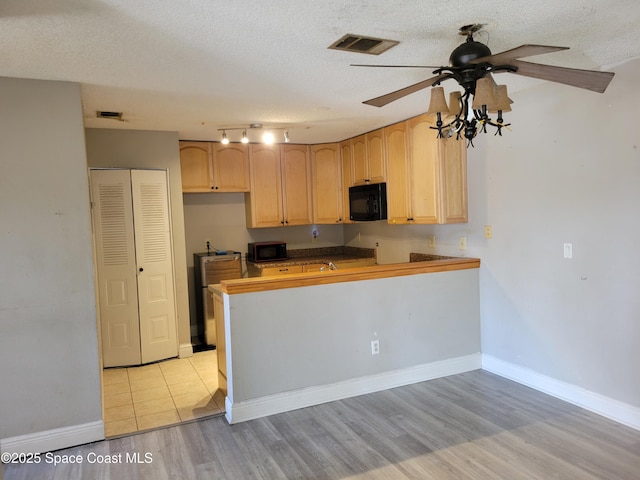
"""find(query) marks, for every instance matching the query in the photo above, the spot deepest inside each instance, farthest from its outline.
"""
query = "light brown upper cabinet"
(368, 158)
(280, 180)
(214, 167)
(326, 174)
(427, 178)
(345, 157)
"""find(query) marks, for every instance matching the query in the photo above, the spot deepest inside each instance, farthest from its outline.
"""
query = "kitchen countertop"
(427, 257)
(256, 284)
(308, 256)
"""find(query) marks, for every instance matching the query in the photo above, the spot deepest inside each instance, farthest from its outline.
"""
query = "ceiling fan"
(471, 65)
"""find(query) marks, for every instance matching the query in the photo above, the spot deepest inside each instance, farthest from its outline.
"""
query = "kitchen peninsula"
(296, 340)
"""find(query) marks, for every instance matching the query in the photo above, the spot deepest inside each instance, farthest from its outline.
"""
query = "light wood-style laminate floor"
(470, 426)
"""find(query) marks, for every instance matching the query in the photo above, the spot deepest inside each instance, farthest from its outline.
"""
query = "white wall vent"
(361, 44)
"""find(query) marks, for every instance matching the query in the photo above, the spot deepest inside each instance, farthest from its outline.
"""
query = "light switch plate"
(462, 243)
(568, 250)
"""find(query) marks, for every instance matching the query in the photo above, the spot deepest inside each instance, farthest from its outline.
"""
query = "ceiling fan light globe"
(438, 104)
(455, 103)
(502, 100)
(484, 94)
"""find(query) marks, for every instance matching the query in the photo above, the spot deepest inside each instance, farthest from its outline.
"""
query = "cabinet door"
(263, 205)
(453, 155)
(271, 271)
(359, 171)
(195, 166)
(296, 184)
(345, 154)
(376, 161)
(424, 170)
(230, 167)
(398, 207)
(326, 168)
(315, 267)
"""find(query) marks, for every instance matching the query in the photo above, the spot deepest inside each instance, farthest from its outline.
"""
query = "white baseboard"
(185, 350)
(607, 407)
(55, 439)
(306, 397)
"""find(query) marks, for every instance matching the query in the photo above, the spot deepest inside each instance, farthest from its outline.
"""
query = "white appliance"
(210, 269)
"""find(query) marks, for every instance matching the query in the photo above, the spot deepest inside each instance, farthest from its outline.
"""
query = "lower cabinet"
(221, 348)
(270, 271)
(315, 267)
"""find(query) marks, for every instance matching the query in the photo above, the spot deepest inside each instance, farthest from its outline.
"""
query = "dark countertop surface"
(427, 257)
(307, 256)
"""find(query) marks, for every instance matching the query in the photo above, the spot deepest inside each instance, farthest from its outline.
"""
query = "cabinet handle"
(141, 269)
(212, 187)
(283, 270)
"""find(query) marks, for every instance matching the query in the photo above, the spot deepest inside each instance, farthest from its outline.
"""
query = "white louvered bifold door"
(156, 303)
(116, 265)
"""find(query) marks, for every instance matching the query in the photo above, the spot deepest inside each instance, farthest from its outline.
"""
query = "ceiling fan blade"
(395, 66)
(403, 92)
(527, 50)
(587, 79)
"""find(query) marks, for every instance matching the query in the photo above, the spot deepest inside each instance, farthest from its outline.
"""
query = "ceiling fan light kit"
(471, 65)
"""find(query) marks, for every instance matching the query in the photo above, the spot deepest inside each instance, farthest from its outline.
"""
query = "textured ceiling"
(194, 66)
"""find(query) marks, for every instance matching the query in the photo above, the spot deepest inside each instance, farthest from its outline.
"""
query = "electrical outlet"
(207, 244)
(462, 243)
(487, 231)
(431, 241)
(375, 347)
(358, 239)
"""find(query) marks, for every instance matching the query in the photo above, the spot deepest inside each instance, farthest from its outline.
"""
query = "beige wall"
(149, 149)
(50, 376)
(567, 171)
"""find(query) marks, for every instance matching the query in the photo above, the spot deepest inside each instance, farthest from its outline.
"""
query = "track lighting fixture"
(267, 137)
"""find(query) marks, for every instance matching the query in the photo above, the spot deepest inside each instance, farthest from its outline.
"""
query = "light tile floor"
(160, 394)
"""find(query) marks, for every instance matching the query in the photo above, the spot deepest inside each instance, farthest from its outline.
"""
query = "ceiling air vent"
(111, 115)
(360, 44)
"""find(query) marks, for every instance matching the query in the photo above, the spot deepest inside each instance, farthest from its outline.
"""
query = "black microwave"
(266, 251)
(368, 202)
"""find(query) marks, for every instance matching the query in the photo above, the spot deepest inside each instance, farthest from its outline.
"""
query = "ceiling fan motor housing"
(468, 51)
